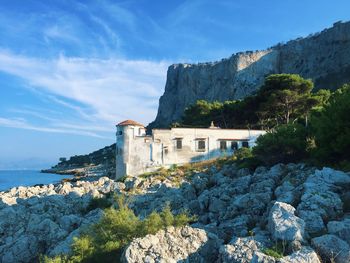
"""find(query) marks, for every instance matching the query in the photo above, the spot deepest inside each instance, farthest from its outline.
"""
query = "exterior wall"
(141, 154)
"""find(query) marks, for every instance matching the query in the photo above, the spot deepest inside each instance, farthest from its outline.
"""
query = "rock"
(340, 229)
(216, 205)
(284, 225)
(243, 73)
(331, 248)
(313, 222)
(304, 255)
(173, 245)
(242, 250)
(320, 202)
(69, 222)
(284, 193)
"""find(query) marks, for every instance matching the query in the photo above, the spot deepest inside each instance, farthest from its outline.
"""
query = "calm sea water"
(9, 179)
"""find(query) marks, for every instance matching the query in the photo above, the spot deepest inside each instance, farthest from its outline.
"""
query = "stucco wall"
(141, 154)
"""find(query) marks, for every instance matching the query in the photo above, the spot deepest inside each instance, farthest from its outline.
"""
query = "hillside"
(100, 162)
(323, 57)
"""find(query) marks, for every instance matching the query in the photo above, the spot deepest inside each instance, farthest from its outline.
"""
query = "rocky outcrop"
(246, 210)
(174, 245)
(293, 210)
(323, 57)
(44, 219)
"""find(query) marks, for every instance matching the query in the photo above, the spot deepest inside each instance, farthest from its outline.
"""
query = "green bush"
(331, 130)
(105, 240)
(243, 153)
(98, 202)
(287, 143)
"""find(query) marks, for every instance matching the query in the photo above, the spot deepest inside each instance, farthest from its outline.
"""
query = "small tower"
(126, 132)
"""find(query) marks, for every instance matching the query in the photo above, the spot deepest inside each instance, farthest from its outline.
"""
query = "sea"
(15, 178)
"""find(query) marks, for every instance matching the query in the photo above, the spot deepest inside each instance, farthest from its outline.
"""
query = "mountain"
(323, 57)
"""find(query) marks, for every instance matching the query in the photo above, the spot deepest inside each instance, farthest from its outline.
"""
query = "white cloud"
(20, 123)
(106, 91)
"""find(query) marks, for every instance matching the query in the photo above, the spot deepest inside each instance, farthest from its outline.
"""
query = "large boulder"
(340, 229)
(173, 245)
(243, 250)
(331, 248)
(284, 225)
(304, 255)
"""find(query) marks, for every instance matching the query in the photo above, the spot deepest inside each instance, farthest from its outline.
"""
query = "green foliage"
(277, 251)
(105, 240)
(98, 202)
(273, 252)
(331, 129)
(287, 143)
(285, 97)
(243, 153)
(282, 98)
(167, 216)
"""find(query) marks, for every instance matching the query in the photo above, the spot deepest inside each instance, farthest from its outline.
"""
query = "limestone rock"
(173, 245)
(304, 255)
(340, 229)
(330, 247)
(243, 73)
(243, 250)
(284, 225)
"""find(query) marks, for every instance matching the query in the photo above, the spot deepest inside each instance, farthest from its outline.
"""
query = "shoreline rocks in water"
(292, 211)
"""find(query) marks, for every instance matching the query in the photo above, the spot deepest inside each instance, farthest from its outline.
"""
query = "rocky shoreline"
(241, 215)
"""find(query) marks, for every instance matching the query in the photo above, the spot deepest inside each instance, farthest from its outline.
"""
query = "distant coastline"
(15, 178)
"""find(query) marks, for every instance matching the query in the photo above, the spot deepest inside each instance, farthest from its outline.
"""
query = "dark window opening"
(119, 133)
(245, 144)
(223, 145)
(166, 151)
(234, 145)
(178, 144)
(201, 145)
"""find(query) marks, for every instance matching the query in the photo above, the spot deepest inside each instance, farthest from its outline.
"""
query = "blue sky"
(71, 70)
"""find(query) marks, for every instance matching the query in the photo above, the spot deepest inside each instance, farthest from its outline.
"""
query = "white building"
(137, 153)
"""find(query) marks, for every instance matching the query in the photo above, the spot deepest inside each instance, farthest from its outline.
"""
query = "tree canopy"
(282, 99)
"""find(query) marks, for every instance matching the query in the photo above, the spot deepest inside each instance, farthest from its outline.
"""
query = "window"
(119, 133)
(178, 144)
(201, 145)
(245, 144)
(234, 145)
(166, 150)
(223, 145)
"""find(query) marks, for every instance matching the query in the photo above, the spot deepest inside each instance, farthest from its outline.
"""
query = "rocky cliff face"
(324, 57)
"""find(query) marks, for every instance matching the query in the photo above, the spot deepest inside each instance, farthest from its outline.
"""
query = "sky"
(71, 70)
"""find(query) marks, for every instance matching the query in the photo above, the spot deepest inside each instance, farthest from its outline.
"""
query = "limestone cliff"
(324, 57)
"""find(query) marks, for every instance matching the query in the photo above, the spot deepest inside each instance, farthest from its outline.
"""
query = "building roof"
(130, 122)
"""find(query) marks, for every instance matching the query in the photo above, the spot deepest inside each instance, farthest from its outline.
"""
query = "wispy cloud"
(103, 91)
(20, 123)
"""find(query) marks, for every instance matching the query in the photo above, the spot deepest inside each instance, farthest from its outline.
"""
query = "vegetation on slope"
(105, 241)
(283, 98)
(302, 126)
(105, 156)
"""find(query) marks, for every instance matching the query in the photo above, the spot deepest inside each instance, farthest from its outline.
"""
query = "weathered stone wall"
(323, 57)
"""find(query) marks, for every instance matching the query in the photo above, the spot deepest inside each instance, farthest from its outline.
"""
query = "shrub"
(331, 129)
(245, 159)
(288, 143)
(98, 202)
(243, 153)
(105, 240)
(277, 251)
